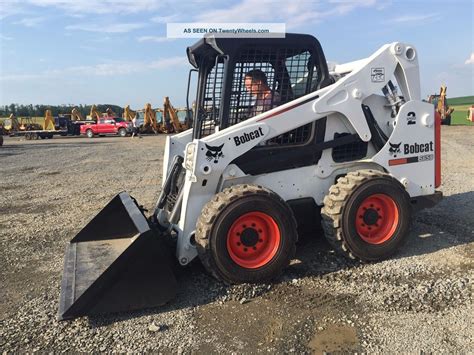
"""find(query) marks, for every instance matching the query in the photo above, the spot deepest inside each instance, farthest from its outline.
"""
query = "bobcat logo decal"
(214, 153)
(394, 148)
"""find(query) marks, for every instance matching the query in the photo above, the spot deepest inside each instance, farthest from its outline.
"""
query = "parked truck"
(107, 126)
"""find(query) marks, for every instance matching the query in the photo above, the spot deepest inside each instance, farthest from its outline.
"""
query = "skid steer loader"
(275, 131)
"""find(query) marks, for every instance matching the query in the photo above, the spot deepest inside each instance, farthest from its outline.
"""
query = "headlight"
(189, 156)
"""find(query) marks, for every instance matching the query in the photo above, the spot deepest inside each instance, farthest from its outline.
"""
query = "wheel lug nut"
(253, 224)
(260, 240)
(239, 244)
(260, 231)
(245, 249)
(244, 226)
(254, 248)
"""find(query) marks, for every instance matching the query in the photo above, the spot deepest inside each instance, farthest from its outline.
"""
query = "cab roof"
(212, 44)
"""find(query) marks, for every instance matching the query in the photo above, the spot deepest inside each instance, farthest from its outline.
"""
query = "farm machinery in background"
(171, 118)
(441, 105)
(128, 113)
(167, 119)
(32, 130)
(10, 125)
(76, 115)
(145, 119)
(30, 127)
(94, 114)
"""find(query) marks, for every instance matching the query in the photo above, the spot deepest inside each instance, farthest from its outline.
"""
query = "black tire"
(89, 133)
(343, 222)
(122, 132)
(218, 219)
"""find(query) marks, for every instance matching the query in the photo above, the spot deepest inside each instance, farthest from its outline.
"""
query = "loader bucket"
(115, 263)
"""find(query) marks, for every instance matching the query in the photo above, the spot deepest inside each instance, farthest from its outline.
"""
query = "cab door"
(109, 126)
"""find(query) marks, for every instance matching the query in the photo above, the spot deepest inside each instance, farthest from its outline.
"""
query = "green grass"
(463, 100)
(460, 105)
(458, 117)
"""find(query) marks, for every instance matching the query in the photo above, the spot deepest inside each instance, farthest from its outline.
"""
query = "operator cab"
(293, 66)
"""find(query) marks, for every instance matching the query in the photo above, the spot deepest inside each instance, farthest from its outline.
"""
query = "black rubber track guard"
(116, 263)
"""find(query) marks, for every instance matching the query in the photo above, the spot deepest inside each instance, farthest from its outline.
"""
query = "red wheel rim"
(377, 219)
(253, 240)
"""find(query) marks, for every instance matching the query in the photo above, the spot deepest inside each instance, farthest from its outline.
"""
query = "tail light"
(437, 149)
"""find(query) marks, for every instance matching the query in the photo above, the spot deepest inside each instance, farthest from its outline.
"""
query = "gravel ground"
(419, 301)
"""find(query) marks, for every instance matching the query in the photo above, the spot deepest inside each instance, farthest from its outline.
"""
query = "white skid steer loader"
(275, 131)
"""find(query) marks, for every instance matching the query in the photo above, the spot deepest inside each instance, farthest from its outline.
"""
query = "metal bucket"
(115, 263)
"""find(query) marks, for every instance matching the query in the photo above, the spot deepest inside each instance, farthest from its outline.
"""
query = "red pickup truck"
(106, 126)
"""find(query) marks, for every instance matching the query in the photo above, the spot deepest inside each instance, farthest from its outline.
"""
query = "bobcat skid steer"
(275, 132)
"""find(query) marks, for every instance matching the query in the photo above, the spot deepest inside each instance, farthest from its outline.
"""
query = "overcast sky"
(92, 51)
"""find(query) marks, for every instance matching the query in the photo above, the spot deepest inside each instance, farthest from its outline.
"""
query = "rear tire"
(89, 133)
(122, 132)
(246, 233)
(366, 215)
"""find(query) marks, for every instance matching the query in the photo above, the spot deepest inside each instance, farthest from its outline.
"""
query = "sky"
(116, 51)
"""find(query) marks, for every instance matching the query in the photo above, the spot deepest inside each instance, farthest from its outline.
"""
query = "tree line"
(20, 110)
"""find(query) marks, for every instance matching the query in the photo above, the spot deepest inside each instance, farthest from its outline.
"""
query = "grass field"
(458, 117)
(460, 105)
(463, 100)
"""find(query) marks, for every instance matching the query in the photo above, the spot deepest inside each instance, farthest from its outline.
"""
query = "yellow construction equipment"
(170, 116)
(95, 114)
(128, 114)
(110, 113)
(441, 105)
(76, 115)
(443, 109)
(48, 124)
(150, 119)
(11, 124)
(29, 124)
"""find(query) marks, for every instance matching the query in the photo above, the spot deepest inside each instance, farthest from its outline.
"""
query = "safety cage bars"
(261, 78)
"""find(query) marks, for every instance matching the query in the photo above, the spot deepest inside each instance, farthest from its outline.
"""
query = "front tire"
(366, 215)
(122, 132)
(89, 133)
(246, 233)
